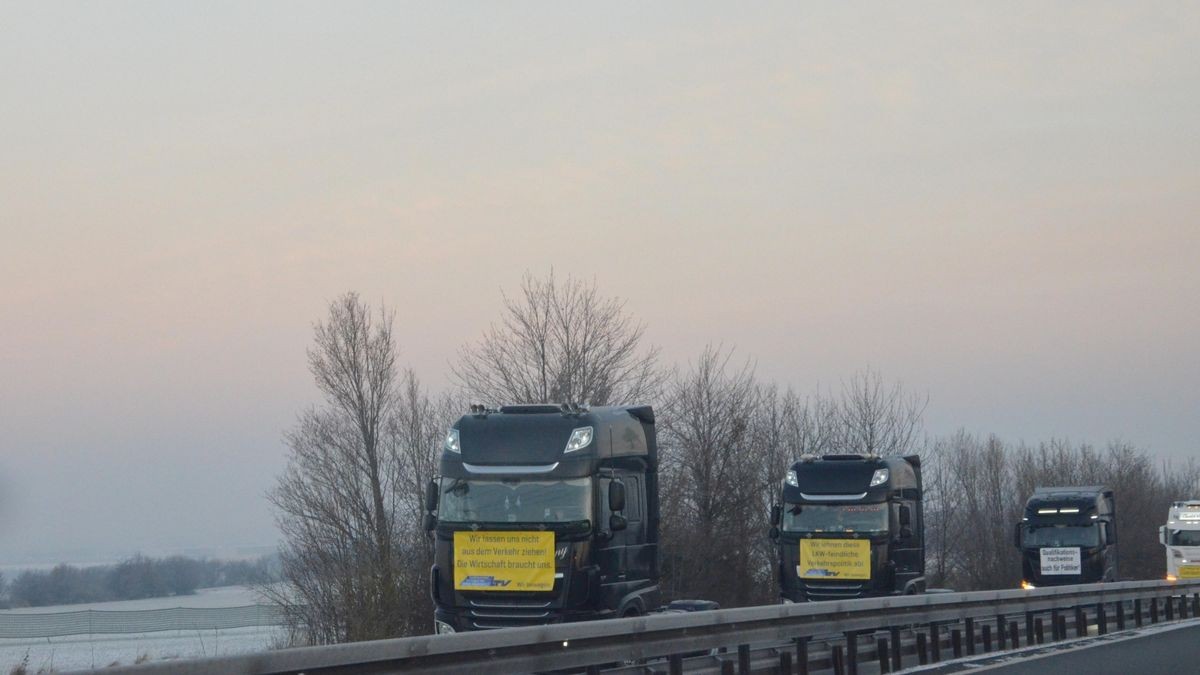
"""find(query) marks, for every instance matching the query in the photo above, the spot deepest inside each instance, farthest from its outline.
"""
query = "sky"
(995, 204)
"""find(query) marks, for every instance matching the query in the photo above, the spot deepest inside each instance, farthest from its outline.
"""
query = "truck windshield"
(1062, 535)
(515, 501)
(1185, 538)
(835, 518)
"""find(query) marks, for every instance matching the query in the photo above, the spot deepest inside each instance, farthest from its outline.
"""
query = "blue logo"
(484, 582)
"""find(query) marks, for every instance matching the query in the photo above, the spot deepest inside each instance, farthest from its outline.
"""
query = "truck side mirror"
(428, 522)
(1162, 535)
(776, 513)
(616, 496)
(431, 496)
(616, 523)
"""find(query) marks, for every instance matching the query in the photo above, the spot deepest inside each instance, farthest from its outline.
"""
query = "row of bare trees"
(355, 561)
(976, 488)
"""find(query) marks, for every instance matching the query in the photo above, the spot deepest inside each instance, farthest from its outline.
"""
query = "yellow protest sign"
(504, 561)
(1189, 572)
(835, 559)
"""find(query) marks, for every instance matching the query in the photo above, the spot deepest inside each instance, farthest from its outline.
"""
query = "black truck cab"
(1068, 535)
(850, 526)
(545, 514)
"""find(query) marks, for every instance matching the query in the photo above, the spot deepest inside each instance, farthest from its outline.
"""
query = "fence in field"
(101, 622)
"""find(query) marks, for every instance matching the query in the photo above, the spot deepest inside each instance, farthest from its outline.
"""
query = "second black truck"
(850, 526)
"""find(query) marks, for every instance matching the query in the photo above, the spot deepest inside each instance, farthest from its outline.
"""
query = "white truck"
(1181, 536)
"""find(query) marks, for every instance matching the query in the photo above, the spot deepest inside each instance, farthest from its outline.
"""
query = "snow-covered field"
(98, 651)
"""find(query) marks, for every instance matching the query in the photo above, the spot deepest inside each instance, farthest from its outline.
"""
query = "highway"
(1161, 649)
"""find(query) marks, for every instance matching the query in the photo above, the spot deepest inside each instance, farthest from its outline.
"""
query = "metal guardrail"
(110, 622)
(846, 625)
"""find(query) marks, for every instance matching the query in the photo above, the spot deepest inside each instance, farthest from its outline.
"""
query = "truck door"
(908, 554)
(612, 556)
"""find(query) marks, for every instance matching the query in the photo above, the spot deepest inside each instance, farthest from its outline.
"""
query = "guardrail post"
(851, 653)
(802, 655)
(743, 659)
(1080, 622)
(1101, 619)
(922, 649)
(1121, 615)
(956, 642)
(785, 663)
(1195, 604)
(895, 633)
(1062, 626)
(970, 634)
(936, 641)
(1000, 633)
(1016, 637)
(1153, 610)
(987, 638)
(1137, 612)
(1055, 636)
(1183, 606)
(837, 660)
(675, 664)
(1039, 631)
(1170, 608)
(727, 668)
(881, 652)
(1029, 628)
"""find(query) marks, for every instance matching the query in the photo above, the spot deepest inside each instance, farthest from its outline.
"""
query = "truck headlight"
(879, 477)
(452, 443)
(580, 439)
(443, 628)
(792, 479)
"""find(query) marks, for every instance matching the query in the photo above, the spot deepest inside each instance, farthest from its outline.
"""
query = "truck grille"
(506, 613)
(833, 591)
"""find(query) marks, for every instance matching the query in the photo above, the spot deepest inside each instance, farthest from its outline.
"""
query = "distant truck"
(1068, 535)
(1181, 536)
(850, 526)
(545, 514)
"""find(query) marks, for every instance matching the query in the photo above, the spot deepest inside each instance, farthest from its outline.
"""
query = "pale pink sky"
(996, 204)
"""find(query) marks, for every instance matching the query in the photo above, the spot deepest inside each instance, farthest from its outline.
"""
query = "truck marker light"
(580, 439)
(1068, 510)
(1171, 577)
(1042, 512)
(1094, 516)
(1025, 585)
(879, 477)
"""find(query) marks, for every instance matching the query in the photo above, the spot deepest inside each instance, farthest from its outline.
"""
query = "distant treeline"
(132, 579)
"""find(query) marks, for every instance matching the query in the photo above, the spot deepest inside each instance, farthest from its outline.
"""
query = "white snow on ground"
(79, 652)
(97, 651)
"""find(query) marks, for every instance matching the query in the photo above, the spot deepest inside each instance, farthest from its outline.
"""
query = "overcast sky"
(994, 204)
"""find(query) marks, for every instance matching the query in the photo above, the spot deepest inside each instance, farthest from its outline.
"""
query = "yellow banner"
(835, 559)
(504, 561)
(1189, 572)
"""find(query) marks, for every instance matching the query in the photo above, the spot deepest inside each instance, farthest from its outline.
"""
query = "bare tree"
(875, 419)
(560, 341)
(336, 501)
(712, 507)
